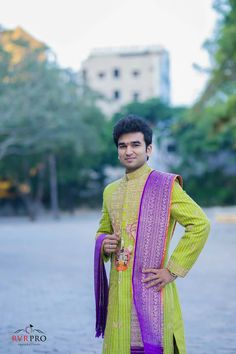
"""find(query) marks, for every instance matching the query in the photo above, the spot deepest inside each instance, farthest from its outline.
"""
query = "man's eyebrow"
(132, 142)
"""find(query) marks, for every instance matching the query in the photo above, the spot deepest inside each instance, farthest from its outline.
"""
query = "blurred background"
(68, 72)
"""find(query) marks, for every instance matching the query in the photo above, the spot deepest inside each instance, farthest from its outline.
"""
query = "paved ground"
(46, 279)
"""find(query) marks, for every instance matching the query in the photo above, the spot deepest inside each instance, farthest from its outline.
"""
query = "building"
(127, 74)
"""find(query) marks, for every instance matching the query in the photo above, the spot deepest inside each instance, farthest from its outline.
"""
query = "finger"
(108, 251)
(151, 270)
(111, 242)
(113, 247)
(150, 278)
(112, 237)
(160, 286)
(110, 248)
(153, 283)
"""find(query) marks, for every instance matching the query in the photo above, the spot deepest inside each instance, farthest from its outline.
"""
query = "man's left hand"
(159, 277)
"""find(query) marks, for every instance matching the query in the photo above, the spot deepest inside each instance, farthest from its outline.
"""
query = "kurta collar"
(145, 169)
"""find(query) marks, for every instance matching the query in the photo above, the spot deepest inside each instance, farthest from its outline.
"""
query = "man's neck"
(135, 169)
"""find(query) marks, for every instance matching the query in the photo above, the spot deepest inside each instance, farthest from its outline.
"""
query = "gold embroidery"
(116, 324)
(131, 230)
(176, 269)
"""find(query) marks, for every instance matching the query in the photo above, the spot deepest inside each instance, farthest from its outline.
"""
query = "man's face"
(132, 151)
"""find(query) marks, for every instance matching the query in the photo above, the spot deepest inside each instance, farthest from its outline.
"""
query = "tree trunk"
(53, 185)
(25, 192)
(40, 189)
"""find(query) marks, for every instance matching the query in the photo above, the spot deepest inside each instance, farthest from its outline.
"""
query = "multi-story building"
(123, 75)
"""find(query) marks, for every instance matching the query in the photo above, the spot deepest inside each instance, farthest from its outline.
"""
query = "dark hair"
(130, 124)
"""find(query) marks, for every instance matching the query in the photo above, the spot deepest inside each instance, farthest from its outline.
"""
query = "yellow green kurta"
(121, 202)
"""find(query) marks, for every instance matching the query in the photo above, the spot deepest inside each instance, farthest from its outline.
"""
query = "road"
(46, 280)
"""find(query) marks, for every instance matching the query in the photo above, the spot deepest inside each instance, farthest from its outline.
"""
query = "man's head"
(133, 138)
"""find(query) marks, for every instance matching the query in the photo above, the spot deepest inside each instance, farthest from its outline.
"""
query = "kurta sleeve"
(105, 226)
(197, 227)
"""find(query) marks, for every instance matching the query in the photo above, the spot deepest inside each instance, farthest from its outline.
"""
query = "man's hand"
(159, 277)
(110, 244)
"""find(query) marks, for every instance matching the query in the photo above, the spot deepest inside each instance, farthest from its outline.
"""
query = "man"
(142, 313)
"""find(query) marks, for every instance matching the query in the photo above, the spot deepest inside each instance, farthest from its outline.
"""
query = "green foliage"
(42, 112)
(222, 52)
(206, 133)
(153, 110)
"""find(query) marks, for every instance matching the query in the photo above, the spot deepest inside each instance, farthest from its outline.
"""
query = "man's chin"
(131, 165)
(130, 162)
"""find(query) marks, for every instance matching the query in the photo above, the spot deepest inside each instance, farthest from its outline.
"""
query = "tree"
(206, 134)
(42, 114)
(153, 110)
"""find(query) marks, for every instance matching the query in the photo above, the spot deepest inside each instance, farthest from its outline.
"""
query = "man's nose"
(129, 150)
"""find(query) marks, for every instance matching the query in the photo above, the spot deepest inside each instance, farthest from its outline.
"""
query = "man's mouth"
(130, 159)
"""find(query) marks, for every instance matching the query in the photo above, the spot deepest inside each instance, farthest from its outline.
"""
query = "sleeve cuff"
(176, 269)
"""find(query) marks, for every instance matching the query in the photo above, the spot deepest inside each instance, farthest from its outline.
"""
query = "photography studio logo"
(29, 336)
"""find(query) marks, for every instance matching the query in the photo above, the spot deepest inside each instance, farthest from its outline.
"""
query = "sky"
(72, 28)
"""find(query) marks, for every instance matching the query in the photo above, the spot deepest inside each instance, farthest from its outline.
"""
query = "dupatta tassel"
(100, 288)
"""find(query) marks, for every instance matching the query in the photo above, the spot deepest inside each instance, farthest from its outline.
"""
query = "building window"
(116, 94)
(116, 72)
(101, 74)
(136, 73)
(136, 96)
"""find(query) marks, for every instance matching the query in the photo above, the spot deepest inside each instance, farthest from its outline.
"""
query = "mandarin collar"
(144, 169)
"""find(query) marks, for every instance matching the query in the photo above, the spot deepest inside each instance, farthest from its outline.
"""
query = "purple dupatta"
(100, 288)
(150, 249)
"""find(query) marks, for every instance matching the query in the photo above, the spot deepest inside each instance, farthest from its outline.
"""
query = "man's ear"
(149, 149)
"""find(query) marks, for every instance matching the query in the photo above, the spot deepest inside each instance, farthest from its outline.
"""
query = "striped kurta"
(120, 215)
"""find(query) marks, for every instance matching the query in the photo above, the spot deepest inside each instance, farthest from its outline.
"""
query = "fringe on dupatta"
(100, 288)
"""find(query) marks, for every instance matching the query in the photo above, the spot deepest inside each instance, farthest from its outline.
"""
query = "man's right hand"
(110, 244)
